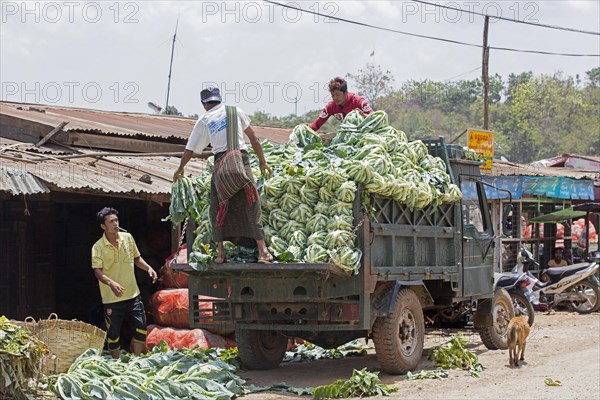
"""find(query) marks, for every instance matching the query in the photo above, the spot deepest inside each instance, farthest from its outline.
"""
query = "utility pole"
(296, 106)
(171, 66)
(485, 74)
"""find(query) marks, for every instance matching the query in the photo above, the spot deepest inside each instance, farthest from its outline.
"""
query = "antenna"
(171, 65)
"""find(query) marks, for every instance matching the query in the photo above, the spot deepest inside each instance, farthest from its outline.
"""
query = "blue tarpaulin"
(545, 186)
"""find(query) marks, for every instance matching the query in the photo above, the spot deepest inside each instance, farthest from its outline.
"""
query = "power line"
(544, 52)
(509, 19)
(463, 74)
(371, 26)
(425, 36)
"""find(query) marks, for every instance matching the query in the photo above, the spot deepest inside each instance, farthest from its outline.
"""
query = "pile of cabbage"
(307, 203)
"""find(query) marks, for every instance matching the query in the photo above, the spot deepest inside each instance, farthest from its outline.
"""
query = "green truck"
(437, 261)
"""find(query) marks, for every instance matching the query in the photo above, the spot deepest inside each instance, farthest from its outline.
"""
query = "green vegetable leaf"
(552, 382)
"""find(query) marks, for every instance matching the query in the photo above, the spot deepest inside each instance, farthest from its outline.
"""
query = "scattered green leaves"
(440, 374)
(454, 355)
(362, 383)
(552, 382)
(309, 352)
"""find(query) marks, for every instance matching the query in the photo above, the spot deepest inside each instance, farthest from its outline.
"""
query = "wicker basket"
(66, 341)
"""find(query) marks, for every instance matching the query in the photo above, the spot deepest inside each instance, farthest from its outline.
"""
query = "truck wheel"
(523, 307)
(399, 337)
(260, 349)
(493, 333)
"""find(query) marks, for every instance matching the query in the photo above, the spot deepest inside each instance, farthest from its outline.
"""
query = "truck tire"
(523, 307)
(494, 332)
(260, 349)
(399, 337)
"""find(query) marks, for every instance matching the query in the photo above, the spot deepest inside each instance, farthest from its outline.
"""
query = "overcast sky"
(115, 55)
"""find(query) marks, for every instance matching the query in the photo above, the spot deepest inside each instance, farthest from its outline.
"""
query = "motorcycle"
(575, 285)
(517, 283)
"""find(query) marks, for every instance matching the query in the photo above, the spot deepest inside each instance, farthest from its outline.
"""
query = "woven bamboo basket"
(66, 341)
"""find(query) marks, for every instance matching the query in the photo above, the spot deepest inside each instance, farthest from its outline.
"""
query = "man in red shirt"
(343, 102)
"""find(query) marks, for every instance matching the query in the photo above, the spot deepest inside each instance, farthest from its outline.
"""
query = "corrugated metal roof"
(47, 148)
(121, 123)
(114, 175)
(16, 182)
(503, 168)
(117, 175)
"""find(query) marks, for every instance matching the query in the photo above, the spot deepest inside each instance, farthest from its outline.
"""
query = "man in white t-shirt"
(242, 221)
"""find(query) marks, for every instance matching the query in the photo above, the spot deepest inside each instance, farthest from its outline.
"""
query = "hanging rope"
(26, 211)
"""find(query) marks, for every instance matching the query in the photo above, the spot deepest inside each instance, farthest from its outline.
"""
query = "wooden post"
(485, 74)
(51, 133)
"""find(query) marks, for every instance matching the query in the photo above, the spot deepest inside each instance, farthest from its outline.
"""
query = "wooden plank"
(52, 133)
(125, 144)
(204, 154)
(24, 130)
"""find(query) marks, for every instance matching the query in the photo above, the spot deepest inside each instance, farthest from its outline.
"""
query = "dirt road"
(563, 346)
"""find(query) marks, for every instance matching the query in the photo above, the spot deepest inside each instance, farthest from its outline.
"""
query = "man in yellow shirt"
(113, 260)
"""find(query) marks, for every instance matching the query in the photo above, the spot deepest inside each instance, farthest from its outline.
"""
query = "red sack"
(186, 338)
(171, 307)
(174, 280)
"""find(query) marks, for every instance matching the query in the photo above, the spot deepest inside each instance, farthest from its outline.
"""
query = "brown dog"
(518, 330)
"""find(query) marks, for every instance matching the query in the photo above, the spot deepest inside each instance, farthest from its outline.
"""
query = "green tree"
(515, 80)
(549, 116)
(593, 76)
(372, 83)
(172, 110)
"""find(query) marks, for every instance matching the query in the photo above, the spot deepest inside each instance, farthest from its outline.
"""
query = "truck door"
(477, 239)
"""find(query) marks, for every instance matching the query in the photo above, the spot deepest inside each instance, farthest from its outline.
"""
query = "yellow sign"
(483, 142)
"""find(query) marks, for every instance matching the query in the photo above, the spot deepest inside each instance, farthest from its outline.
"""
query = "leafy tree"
(372, 83)
(172, 110)
(451, 97)
(496, 89)
(549, 116)
(593, 76)
(514, 81)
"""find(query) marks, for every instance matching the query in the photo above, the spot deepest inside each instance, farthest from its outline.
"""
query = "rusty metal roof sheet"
(47, 148)
(504, 168)
(150, 176)
(38, 173)
(16, 181)
(121, 123)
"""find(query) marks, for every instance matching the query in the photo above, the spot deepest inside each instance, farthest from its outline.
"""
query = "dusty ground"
(563, 346)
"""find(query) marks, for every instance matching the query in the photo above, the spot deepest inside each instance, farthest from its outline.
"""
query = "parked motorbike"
(574, 285)
(517, 283)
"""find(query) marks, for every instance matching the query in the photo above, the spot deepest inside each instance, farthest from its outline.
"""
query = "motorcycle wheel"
(590, 292)
(523, 307)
